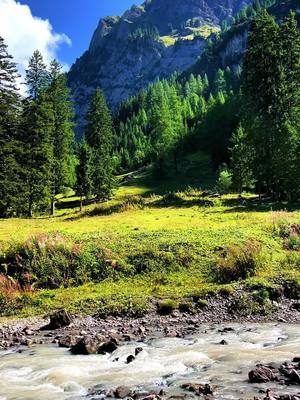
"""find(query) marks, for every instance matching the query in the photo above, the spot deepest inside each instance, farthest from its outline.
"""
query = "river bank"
(215, 309)
(165, 354)
(210, 361)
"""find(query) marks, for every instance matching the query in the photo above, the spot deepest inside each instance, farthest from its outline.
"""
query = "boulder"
(122, 391)
(198, 388)
(129, 359)
(290, 374)
(68, 341)
(138, 350)
(58, 320)
(85, 346)
(262, 374)
(224, 342)
(108, 347)
(93, 345)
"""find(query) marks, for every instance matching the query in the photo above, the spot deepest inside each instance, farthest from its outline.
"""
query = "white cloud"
(25, 33)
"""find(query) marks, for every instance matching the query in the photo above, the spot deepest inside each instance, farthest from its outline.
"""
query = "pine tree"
(162, 138)
(271, 90)
(176, 123)
(220, 84)
(37, 77)
(241, 160)
(63, 174)
(289, 106)
(261, 76)
(99, 136)
(84, 172)
(10, 183)
(37, 133)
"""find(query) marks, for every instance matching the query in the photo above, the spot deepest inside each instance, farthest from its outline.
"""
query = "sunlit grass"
(142, 216)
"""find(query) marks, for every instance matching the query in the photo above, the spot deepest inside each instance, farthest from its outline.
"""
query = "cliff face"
(148, 41)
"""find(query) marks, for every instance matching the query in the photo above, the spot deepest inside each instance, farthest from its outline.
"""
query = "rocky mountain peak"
(148, 41)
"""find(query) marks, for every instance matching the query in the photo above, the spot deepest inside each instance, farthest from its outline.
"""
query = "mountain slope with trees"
(227, 50)
(149, 41)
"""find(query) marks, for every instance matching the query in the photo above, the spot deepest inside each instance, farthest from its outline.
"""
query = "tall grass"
(238, 262)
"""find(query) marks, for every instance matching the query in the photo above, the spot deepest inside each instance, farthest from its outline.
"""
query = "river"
(48, 372)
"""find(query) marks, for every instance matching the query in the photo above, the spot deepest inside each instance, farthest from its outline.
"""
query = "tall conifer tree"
(37, 138)
(63, 173)
(10, 183)
(99, 136)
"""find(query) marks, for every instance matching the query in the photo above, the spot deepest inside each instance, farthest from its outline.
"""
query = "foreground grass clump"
(53, 261)
(13, 297)
(238, 262)
(166, 307)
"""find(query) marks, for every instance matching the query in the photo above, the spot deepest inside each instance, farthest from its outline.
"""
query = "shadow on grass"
(258, 205)
(173, 200)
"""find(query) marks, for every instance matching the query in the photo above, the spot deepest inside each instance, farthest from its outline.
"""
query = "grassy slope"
(204, 31)
(185, 224)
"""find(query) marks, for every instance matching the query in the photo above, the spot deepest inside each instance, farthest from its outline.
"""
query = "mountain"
(148, 41)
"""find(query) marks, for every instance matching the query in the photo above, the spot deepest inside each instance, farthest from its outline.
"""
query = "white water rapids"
(51, 373)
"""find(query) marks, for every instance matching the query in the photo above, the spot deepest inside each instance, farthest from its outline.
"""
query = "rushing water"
(52, 373)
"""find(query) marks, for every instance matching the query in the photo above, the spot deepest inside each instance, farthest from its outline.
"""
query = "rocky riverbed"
(212, 361)
(217, 309)
(213, 354)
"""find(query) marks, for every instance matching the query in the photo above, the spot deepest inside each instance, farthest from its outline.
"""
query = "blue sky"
(77, 19)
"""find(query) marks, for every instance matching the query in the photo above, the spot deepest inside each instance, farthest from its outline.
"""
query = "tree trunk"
(80, 203)
(30, 214)
(52, 211)
(175, 162)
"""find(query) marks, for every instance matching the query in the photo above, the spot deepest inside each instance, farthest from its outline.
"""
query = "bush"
(132, 203)
(187, 307)
(280, 224)
(238, 262)
(52, 261)
(153, 258)
(12, 296)
(192, 192)
(170, 198)
(224, 182)
(256, 304)
(292, 242)
(166, 307)
(130, 306)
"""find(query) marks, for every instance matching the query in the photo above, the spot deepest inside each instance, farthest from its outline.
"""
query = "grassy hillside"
(167, 241)
(204, 31)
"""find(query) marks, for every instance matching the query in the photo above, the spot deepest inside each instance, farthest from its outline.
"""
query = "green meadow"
(157, 241)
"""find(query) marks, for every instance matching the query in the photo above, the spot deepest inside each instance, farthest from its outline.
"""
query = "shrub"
(153, 258)
(132, 203)
(166, 307)
(292, 242)
(201, 303)
(187, 307)
(171, 198)
(261, 296)
(192, 192)
(224, 182)
(290, 262)
(292, 288)
(12, 296)
(257, 304)
(280, 224)
(52, 261)
(238, 262)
